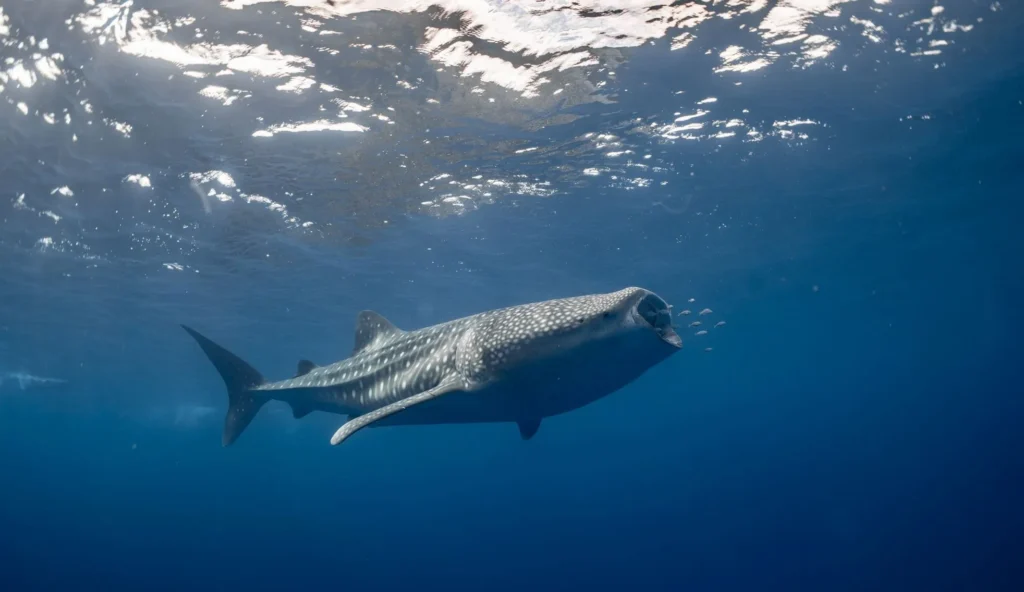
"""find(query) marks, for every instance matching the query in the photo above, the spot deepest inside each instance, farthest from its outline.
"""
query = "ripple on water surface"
(146, 129)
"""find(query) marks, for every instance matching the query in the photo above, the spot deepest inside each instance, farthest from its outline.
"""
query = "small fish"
(706, 311)
(695, 324)
(719, 323)
(692, 300)
(684, 313)
(702, 332)
(707, 349)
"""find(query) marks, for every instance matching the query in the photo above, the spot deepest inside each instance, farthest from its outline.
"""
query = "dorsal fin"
(305, 367)
(373, 330)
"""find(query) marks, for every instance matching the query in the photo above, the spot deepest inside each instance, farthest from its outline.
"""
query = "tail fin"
(239, 377)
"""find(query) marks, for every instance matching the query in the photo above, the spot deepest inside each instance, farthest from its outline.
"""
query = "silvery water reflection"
(318, 119)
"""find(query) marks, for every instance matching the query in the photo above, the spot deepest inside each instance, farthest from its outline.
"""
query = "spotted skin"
(390, 369)
(515, 364)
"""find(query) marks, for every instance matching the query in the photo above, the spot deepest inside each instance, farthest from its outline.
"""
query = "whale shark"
(517, 364)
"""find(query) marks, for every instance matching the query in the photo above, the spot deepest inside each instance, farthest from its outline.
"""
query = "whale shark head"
(559, 355)
(639, 313)
(632, 323)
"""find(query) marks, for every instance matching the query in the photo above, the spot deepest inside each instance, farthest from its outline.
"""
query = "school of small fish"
(695, 324)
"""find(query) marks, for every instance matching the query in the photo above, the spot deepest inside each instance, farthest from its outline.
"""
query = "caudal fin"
(240, 378)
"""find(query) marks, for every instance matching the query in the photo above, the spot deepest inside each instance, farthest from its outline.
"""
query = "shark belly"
(593, 372)
(546, 387)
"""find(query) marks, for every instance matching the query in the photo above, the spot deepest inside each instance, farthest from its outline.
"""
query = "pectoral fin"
(357, 423)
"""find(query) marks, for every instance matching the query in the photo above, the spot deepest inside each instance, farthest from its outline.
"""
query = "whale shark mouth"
(669, 336)
(658, 314)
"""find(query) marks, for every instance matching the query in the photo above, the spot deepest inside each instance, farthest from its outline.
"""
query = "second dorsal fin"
(304, 368)
(372, 331)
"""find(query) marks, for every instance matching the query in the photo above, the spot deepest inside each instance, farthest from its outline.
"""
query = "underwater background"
(841, 182)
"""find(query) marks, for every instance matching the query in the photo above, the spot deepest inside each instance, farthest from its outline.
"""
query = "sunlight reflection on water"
(333, 113)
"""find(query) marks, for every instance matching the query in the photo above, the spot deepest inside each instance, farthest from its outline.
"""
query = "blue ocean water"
(839, 181)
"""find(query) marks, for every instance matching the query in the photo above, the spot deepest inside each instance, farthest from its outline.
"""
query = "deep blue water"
(856, 426)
